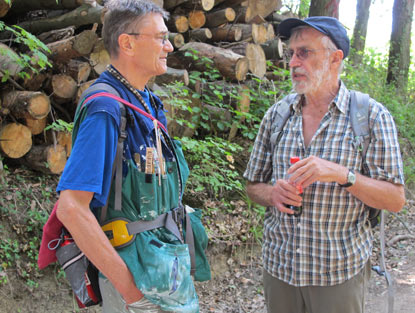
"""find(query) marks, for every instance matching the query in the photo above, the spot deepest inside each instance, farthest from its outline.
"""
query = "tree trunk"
(229, 64)
(4, 8)
(360, 31)
(64, 139)
(178, 23)
(83, 15)
(324, 8)
(78, 70)
(99, 57)
(80, 45)
(35, 103)
(273, 49)
(205, 5)
(20, 7)
(197, 19)
(7, 62)
(15, 140)
(64, 87)
(56, 34)
(257, 64)
(217, 18)
(171, 76)
(82, 88)
(228, 33)
(176, 39)
(399, 53)
(35, 81)
(201, 34)
(47, 159)
(260, 9)
(170, 4)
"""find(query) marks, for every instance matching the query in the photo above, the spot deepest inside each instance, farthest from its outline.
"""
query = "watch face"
(351, 177)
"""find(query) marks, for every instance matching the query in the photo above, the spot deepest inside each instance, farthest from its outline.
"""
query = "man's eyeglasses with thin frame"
(164, 37)
(301, 53)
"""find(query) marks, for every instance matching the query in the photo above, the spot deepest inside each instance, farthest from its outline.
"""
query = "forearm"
(378, 194)
(259, 193)
(88, 235)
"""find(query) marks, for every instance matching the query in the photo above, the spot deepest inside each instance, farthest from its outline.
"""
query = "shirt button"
(300, 144)
(298, 250)
(170, 170)
(299, 225)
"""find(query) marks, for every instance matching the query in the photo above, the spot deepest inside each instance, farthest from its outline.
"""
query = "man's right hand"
(283, 193)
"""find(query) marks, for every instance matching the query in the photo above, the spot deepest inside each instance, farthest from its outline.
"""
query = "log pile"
(237, 35)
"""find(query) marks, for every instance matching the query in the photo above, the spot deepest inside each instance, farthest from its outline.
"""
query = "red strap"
(130, 105)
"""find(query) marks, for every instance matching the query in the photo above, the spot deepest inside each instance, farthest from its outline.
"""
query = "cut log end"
(56, 159)
(39, 106)
(15, 140)
(241, 69)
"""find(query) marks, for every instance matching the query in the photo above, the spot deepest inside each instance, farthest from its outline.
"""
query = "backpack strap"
(117, 165)
(283, 112)
(359, 118)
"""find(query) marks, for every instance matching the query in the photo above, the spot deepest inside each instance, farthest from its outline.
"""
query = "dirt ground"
(236, 284)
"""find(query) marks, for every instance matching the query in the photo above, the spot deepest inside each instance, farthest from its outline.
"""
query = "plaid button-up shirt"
(331, 241)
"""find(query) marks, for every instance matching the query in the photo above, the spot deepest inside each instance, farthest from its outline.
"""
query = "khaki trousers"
(348, 297)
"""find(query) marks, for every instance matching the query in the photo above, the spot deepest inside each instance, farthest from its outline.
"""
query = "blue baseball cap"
(329, 26)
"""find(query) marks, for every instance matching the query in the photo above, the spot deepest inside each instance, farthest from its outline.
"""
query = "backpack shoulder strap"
(282, 114)
(359, 118)
(117, 165)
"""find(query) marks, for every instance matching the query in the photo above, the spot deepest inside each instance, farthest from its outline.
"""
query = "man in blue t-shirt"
(136, 38)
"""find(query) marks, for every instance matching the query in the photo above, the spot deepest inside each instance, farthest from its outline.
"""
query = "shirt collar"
(340, 101)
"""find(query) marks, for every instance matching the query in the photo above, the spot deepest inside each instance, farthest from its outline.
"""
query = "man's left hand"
(307, 171)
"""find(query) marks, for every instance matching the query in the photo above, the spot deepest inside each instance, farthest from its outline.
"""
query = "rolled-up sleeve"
(383, 158)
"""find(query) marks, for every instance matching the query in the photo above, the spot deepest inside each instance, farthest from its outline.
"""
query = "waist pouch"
(160, 266)
(81, 273)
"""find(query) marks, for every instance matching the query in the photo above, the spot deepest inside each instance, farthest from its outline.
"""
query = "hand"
(307, 171)
(284, 193)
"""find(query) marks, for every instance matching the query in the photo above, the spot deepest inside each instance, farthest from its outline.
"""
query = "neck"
(321, 98)
(137, 80)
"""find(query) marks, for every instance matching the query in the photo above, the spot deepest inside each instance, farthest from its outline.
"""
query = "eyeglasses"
(163, 37)
(301, 53)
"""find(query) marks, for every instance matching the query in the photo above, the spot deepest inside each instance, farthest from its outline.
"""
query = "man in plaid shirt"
(318, 262)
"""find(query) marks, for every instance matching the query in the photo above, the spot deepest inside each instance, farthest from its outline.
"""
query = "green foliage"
(60, 125)
(23, 214)
(370, 77)
(300, 8)
(212, 167)
(35, 61)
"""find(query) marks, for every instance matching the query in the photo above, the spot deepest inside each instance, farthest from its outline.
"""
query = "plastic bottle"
(298, 210)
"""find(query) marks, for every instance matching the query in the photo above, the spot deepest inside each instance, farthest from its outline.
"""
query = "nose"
(294, 61)
(168, 46)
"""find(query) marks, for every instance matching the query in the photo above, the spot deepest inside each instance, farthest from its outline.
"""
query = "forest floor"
(236, 286)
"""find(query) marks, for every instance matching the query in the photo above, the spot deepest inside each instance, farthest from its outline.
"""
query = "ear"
(337, 56)
(126, 44)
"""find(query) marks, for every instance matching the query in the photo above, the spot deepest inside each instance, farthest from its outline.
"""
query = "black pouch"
(81, 273)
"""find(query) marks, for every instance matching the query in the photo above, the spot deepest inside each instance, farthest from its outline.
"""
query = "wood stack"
(234, 34)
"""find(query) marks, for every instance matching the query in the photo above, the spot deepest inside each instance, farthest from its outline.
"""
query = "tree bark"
(20, 7)
(7, 63)
(229, 64)
(36, 126)
(273, 49)
(360, 31)
(324, 8)
(47, 159)
(201, 34)
(99, 57)
(4, 8)
(261, 9)
(15, 140)
(220, 17)
(83, 15)
(228, 33)
(78, 70)
(35, 103)
(171, 76)
(399, 52)
(56, 34)
(176, 39)
(205, 5)
(171, 4)
(80, 45)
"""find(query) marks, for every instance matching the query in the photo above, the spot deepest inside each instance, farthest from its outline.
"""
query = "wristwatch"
(351, 179)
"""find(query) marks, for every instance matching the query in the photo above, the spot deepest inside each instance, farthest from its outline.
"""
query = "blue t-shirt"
(90, 164)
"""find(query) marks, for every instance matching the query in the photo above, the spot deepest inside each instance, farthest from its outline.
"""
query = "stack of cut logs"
(238, 36)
